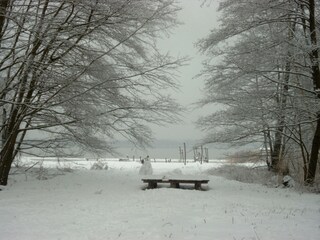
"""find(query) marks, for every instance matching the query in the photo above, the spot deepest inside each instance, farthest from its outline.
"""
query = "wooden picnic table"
(175, 181)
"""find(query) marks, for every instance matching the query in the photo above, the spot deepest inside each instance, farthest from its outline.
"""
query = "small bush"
(259, 175)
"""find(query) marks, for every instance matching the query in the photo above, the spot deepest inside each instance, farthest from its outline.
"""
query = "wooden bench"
(175, 181)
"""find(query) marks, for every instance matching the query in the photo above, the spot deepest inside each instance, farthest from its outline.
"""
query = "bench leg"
(174, 185)
(197, 186)
(152, 185)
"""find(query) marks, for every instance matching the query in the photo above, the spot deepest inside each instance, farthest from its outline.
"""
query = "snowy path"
(111, 205)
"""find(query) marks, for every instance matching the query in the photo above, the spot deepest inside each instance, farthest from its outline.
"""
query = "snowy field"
(72, 202)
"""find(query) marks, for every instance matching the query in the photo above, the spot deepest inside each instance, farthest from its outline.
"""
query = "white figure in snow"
(146, 168)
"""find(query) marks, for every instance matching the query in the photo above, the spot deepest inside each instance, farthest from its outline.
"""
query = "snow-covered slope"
(110, 204)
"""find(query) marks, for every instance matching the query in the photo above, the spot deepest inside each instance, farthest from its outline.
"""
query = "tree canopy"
(263, 67)
(79, 72)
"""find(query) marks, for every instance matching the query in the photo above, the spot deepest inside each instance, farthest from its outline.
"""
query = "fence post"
(185, 153)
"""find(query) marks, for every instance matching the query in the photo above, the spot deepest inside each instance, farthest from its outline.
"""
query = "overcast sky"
(197, 20)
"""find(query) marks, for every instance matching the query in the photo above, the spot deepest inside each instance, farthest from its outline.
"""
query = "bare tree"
(82, 71)
(315, 66)
(269, 44)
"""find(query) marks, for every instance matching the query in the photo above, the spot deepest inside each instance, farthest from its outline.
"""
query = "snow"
(77, 203)
(171, 176)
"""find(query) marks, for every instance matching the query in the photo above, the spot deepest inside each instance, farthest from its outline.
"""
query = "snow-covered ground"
(110, 204)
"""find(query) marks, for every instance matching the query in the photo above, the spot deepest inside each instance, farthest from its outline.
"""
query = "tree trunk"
(314, 55)
(275, 155)
(278, 148)
(3, 12)
(5, 167)
(7, 157)
(314, 154)
(268, 147)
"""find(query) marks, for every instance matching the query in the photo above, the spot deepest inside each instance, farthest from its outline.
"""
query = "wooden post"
(185, 153)
(207, 154)
(197, 185)
(180, 154)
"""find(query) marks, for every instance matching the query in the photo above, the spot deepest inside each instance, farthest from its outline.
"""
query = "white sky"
(197, 20)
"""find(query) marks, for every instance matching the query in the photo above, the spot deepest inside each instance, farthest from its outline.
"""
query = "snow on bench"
(175, 181)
